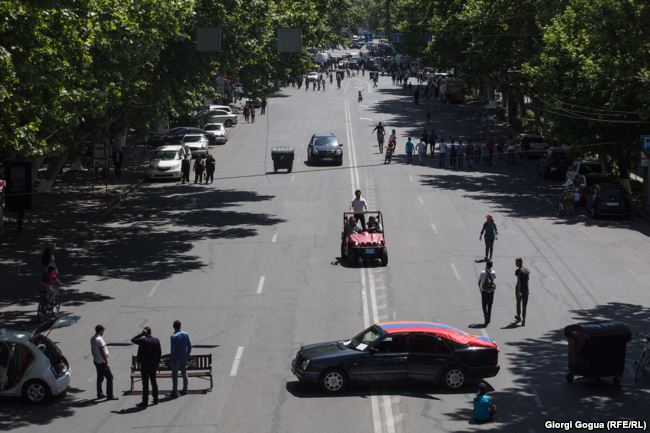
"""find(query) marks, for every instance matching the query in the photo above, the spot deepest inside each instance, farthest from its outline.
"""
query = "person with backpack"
(199, 168)
(487, 287)
(521, 290)
(490, 232)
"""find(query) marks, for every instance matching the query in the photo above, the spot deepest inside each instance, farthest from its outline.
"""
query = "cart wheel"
(617, 380)
(569, 378)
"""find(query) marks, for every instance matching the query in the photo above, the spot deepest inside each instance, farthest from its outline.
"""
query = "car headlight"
(339, 151)
(305, 364)
(314, 152)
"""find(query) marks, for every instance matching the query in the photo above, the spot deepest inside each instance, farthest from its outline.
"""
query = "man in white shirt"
(100, 359)
(358, 206)
(421, 148)
(487, 287)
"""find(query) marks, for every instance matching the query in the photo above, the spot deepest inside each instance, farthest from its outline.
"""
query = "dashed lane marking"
(260, 285)
(453, 268)
(433, 227)
(275, 237)
(410, 178)
(153, 289)
(293, 177)
(420, 199)
(236, 361)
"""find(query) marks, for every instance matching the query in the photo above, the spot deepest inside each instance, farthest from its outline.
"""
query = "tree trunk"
(53, 169)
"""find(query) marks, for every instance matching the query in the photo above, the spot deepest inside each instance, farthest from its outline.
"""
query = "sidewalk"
(56, 217)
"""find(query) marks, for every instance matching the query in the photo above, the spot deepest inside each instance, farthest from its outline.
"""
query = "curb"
(122, 195)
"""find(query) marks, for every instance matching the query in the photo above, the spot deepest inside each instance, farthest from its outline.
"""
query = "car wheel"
(36, 391)
(453, 378)
(384, 257)
(333, 380)
(352, 257)
(228, 123)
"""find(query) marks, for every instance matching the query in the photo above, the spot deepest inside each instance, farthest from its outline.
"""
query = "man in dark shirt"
(490, 232)
(149, 353)
(521, 290)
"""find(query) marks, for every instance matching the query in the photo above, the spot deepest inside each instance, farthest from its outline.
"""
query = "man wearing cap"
(491, 234)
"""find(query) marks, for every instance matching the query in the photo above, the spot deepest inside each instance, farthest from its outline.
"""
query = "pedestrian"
(118, 157)
(358, 205)
(489, 147)
(478, 154)
(252, 114)
(323, 84)
(443, 154)
(247, 113)
(199, 168)
(99, 352)
(490, 233)
(469, 154)
(460, 155)
(263, 110)
(416, 95)
(149, 353)
(410, 88)
(521, 290)
(487, 287)
(433, 137)
(425, 139)
(452, 154)
(428, 115)
(422, 151)
(181, 347)
(408, 147)
(484, 409)
(185, 169)
(210, 165)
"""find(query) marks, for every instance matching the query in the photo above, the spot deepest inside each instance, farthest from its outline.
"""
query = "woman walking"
(210, 165)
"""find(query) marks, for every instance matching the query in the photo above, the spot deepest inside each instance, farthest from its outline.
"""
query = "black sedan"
(398, 351)
(609, 199)
(324, 148)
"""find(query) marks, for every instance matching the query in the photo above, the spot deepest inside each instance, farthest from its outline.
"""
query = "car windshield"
(325, 142)
(192, 138)
(590, 168)
(165, 155)
(213, 127)
(366, 337)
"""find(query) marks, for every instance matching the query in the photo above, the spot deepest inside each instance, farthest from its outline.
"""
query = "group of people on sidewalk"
(149, 356)
(201, 167)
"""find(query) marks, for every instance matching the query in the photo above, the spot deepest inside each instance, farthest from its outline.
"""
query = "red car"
(366, 243)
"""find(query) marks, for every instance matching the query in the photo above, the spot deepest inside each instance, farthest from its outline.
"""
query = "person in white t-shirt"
(358, 206)
(100, 359)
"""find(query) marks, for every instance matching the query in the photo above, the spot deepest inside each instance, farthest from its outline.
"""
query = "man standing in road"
(409, 151)
(180, 351)
(263, 107)
(521, 290)
(487, 287)
(185, 169)
(422, 150)
(100, 359)
(490, 232)
(149, 353)
(358, 205)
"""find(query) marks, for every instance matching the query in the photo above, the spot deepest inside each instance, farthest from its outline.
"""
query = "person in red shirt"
(489, 146)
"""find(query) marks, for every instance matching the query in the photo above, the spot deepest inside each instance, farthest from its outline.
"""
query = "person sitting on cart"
(373, 225)
(484, 409)
(350, 227)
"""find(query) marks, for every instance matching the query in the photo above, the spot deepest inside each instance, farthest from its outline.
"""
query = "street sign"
(398, 37)
(367, 37)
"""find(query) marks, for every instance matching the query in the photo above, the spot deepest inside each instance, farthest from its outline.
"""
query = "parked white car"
(312, 76)
(217, 131)
(198, 144)
(221, 116)
(31, 365)
(166, 162)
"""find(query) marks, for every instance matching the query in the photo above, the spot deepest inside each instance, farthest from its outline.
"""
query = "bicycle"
(49, 304)
(643, 360)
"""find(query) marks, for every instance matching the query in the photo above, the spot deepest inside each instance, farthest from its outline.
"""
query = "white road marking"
(410, 178)
(153, 289)
(293, 177)
(365, 118)
(260, 285)
(275, 237)
(388, 413)
(420, 200)
(484, 332)
(235, 363)
(538, 401)
(453, 268)
(582, 229)
(373, 298)
(433, 227)
(376, 414)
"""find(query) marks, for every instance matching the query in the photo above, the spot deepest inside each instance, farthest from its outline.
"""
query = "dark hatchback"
(399, 351)
(609, 199)
(555, 163)
(324, 148)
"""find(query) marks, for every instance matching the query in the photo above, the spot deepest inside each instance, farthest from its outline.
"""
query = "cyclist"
(381, 132)
(49, 284)
(392, 144)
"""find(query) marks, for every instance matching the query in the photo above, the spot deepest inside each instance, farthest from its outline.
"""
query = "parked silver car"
(220, 116)
(198, 144)
(217, 131)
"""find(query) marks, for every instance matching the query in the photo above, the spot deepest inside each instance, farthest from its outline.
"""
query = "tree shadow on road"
(540, 391)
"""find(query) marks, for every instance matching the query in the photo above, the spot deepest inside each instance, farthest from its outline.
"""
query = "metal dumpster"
(597, 349)
(282, 158)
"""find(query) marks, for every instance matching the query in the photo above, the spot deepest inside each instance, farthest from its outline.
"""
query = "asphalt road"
(249, 265)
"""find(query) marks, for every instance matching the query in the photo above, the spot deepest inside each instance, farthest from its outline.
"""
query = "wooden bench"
(197, 366)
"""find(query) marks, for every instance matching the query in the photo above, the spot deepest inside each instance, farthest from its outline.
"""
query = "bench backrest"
(194, 362)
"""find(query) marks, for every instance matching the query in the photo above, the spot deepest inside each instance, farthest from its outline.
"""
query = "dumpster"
(597, 349)
(282, 158)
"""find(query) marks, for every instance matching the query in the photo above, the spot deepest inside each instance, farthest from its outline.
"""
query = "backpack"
(488, 282)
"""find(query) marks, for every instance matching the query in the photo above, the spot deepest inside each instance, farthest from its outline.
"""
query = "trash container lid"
(282, 149)
(602, 329)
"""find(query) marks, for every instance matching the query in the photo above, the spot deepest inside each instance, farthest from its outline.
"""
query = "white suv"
(31, 365)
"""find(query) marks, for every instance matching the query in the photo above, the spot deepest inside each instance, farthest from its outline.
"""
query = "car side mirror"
(340, 144)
